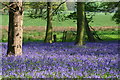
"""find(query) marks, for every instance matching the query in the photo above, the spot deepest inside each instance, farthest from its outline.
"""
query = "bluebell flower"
(44, 60)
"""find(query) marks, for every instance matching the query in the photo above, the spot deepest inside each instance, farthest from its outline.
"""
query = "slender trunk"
(15, 29)
(88, 31)
(48, 37)
(80, 23)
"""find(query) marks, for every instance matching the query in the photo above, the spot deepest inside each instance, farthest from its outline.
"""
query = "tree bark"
(15, 29)
(80, 23)
(88, 31)
(48, 37)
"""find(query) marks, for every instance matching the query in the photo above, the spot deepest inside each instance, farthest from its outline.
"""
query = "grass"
(39, 36)
(110, 37)
(27, 21)
(33, 36)
(100, 19)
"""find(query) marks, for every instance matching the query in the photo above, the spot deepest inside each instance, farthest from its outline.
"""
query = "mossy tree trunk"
(48, 37)
(15, 29)
(88, 31)
(80, 23)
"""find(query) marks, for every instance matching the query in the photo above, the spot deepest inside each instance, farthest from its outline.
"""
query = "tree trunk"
(48, 37)
(80, 23)
(15, 29)
(88, 31)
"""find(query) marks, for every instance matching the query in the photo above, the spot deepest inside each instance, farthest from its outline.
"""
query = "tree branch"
(8, 6)
(3, 9)
(58, 7)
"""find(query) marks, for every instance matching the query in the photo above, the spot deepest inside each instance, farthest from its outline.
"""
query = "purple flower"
(61, 60)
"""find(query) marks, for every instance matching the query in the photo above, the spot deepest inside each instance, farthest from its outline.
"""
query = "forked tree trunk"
(15, 29)
(80, 23)
(88, 31)
(48, 37)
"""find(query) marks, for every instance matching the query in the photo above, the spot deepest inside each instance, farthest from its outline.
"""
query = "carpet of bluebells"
(62, 60)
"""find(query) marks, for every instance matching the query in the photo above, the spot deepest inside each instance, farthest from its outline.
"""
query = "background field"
(34, 29)
(100, 19)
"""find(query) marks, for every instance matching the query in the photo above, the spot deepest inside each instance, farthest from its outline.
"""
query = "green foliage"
(63, 7)
(28, 76)
(116, 16)
(92, 6)
(106, 75)
(0, 77)
(60, 17)
(72, 15)
(35, 9)
(79, 77)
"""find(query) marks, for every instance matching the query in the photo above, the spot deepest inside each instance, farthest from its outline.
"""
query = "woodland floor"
(62, 59)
